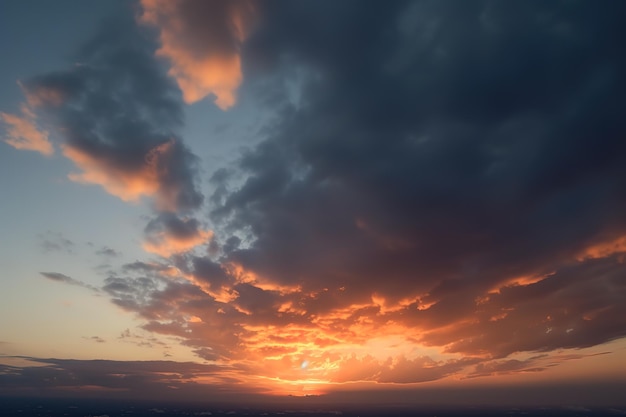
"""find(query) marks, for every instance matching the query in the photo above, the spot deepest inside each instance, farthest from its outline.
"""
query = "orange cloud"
(23, 133)
(197, 79)
(604, 249)
(284, 340)
(129, 185)
(201, 40)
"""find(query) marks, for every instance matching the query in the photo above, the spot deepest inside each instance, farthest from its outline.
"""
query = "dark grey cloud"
(142, 340)
(118, 114)
(536, 363)
(210, 272)
(174, 226)
(132, 293)
(57, 276)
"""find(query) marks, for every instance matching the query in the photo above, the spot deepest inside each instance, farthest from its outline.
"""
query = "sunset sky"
(413, 200)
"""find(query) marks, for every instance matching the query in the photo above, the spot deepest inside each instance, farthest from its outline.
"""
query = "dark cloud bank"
(439, 151)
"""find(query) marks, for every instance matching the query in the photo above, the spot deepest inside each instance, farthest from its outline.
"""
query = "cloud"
(202, 42)
(171, 306)
(574, 307)
(118, 115)
(142, 340)
(107, 251)
(167, 380)
(54, 241)
(436, 163)
(168, 235)
(23, 132)
(96, 339)
(124, 379)
(440, 192)
(57, 276)
(398, 370)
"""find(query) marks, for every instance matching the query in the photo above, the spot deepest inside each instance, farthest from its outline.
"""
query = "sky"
(405, 201)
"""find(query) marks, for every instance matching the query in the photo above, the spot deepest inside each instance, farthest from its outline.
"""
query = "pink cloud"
(23, 132)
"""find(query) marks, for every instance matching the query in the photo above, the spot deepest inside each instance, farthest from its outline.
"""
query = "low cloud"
(103, 378)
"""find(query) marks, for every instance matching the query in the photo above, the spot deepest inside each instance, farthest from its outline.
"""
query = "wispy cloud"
(107, 251)
(130, 379)
(23, 133)
(96, 339)
(57, 276)
(55, 241)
